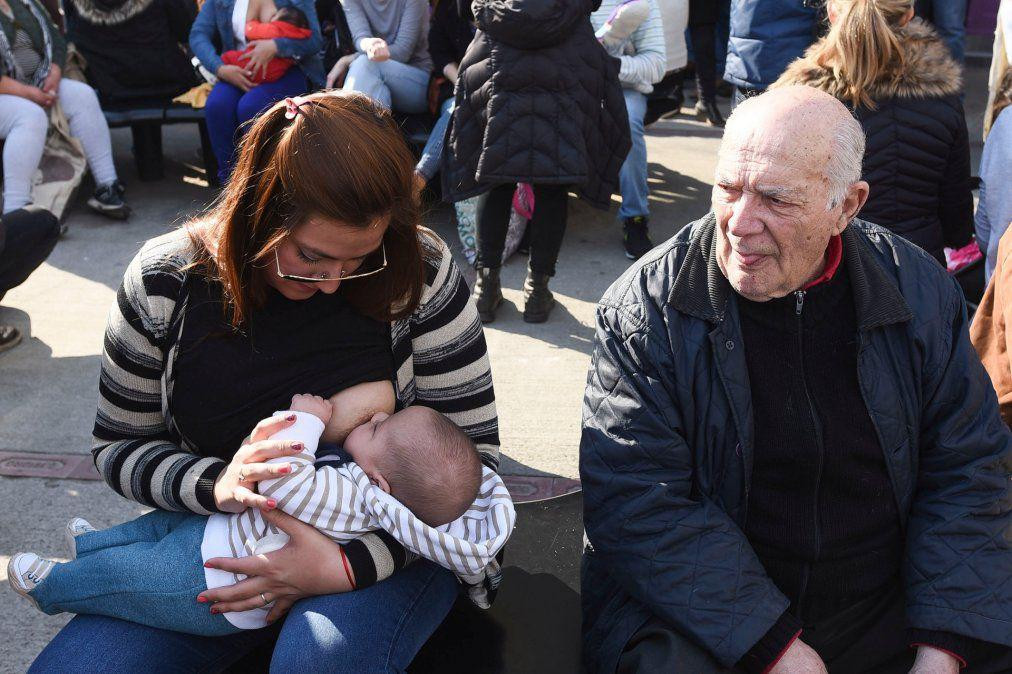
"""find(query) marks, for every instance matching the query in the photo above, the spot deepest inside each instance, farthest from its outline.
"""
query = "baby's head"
(292, 16)
(422, 459)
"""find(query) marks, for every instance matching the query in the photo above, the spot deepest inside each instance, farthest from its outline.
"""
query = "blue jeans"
(949, 19)
(632, 179)
(390, 83)
(148, 571)
(229, 107)
(377, 629)
(432, 153)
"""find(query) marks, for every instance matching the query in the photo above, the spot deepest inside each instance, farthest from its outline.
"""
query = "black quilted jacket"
(538, 100)
(917, 159)
(666, 451)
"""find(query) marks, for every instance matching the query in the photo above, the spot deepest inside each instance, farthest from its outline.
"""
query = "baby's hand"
(315, 405)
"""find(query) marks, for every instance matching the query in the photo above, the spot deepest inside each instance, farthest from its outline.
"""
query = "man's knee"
(34, 223)
(658, 647)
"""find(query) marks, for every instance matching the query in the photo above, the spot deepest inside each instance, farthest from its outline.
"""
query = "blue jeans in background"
(632, 178)
(377, 629)
(390, 83)
(949, 19)
(432, 153)
(228, 107)
(148, 570)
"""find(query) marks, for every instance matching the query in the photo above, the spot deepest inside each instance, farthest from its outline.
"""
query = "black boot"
(635, 239)
(538, 299)
(708, 110)
(487, 293)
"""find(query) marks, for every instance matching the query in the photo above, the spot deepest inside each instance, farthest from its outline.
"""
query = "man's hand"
(800, 658)
(52, 81)
(933, 661)
(235, 76)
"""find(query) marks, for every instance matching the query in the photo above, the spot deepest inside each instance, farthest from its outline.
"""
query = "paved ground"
(48, 384)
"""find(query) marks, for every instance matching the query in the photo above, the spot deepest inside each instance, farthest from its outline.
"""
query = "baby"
(414, 474)
(287, 22)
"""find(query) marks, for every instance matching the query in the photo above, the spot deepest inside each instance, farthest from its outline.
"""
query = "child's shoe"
(623, 22)
(25, 571)
(75, 528)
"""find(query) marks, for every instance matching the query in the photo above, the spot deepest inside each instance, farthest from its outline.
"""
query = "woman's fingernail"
(271, 503)
(202, 600)
(215, 610)
(207, 565)
(297, 446)
(290, 417)
(284, 470)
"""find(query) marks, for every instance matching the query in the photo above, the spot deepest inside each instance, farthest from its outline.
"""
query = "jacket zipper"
(799, 306)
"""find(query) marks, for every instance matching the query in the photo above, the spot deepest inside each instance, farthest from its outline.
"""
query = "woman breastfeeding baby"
(310, 276)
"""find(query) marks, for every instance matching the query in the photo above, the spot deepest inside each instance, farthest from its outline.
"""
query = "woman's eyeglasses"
(325, 276)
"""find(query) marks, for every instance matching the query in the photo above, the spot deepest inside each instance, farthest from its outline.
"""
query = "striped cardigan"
(439, 354)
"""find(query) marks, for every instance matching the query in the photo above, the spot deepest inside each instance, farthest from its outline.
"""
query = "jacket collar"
(701, 289)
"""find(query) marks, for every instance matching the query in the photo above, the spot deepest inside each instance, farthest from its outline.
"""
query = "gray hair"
(845, 161)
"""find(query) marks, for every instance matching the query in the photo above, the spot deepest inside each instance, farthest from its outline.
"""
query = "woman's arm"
(205, 27)
(413, 21)
(452, 370)
(358, 23)
(298, 49)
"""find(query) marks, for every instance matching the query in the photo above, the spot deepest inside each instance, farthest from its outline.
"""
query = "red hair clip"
(293, 105)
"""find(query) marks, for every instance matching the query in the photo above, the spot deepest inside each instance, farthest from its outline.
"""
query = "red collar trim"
(834, 254)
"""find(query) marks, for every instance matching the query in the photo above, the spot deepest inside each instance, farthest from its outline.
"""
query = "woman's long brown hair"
(340, 157)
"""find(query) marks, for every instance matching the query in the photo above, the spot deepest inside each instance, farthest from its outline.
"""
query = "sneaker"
(108, 201)
(75, 528)
(9, 337)
(634, 237)
(25, 571)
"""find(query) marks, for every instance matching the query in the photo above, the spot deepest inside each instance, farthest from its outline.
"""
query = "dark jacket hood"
(530, 24)
(109, 12)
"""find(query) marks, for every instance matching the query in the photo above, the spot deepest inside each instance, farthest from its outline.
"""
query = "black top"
(450, 33)
(822, 515)
(225, 382)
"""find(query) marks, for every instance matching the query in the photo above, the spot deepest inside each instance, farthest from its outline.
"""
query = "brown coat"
(989, 332)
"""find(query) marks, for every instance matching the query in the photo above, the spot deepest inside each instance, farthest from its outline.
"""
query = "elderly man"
(791, 457)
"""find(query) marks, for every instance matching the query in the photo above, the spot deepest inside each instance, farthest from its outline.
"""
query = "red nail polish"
(297, 446)
(284, 470)
(290, 417)
(207, 565)
(215, 611)
(202, 600)
(271, 503)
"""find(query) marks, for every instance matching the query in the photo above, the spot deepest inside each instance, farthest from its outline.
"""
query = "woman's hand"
(38, 96)
(310, 564)
(377, 50)
(52, 81)
(234, 490)
(335, 78)
(258, 57)
(236, 76)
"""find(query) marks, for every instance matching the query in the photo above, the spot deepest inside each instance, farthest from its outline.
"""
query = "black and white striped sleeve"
(131, 446)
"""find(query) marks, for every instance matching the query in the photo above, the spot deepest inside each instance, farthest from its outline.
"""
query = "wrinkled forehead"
(763, 152)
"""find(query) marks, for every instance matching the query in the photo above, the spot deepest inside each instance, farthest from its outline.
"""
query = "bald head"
(806, 123)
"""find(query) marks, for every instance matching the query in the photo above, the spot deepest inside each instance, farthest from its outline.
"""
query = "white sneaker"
(75, 528)
(25, 571)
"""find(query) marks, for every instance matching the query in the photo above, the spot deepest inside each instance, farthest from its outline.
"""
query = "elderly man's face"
(770, 198)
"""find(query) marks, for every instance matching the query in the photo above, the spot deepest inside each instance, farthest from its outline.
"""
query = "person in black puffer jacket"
(538, 101)
(132, 48)
(917, 159)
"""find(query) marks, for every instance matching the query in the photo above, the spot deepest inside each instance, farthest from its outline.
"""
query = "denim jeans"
(632, 178)
(229, 107)
(390, 83)
(432, 153)
(148, 571)
(949, 19)
(377, 629)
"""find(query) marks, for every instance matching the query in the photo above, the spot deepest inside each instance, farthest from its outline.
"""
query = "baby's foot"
(622, 23)
(75, 528)
(315, 405)
(26, 571)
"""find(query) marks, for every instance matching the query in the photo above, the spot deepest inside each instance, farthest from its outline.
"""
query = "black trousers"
(547, 227)
(867, 637)
(704, 40)
(27, 236)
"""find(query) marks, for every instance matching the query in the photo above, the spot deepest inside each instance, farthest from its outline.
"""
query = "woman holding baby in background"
(242, 91)
(305, 278)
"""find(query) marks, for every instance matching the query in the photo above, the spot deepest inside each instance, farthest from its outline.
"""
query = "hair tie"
(292, 106)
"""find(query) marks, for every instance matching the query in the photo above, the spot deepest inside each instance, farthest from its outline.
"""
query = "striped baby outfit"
(340, 501)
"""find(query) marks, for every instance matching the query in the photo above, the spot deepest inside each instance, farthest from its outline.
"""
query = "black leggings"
(546, 227)
(29, 235)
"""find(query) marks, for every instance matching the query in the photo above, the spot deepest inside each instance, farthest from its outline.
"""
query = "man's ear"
(377, 479)
(853, 202)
